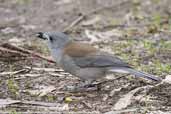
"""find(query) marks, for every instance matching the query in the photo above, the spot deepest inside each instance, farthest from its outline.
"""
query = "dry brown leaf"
(126, 99)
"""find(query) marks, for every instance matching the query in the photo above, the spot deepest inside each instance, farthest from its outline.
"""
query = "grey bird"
(85, 61)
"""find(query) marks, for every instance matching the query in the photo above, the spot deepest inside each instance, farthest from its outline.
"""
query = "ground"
(134, 30)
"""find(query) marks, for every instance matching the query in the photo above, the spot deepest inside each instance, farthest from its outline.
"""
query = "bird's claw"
(81, 87)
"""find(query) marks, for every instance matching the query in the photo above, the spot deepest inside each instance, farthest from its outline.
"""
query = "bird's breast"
(57, 55)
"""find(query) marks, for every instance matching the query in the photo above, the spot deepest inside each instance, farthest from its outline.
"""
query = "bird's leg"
(88, 84)
(83, 86)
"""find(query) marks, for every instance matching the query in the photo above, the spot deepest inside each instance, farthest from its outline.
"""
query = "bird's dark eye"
(50, 38)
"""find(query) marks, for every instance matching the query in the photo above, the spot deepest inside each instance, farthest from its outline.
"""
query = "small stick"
(12, 73)
(26, 51)
(5, 102)
(83, 16)
(75, 22)
(2, 49)
(45, 69)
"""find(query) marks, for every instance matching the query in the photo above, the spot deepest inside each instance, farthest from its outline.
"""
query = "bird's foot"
(81, 87)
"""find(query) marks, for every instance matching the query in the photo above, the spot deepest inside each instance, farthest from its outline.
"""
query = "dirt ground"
(138, 31)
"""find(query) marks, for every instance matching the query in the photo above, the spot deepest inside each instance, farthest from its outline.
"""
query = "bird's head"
(54, 39)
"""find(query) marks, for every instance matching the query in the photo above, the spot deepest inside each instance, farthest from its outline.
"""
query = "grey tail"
(138, 74)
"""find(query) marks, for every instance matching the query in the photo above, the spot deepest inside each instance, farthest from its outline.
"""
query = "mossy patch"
(142, 54)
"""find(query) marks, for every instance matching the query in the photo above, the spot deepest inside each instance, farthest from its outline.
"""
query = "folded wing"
(85, 55)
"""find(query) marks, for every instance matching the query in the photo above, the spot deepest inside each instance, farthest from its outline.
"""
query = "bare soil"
(135, 21)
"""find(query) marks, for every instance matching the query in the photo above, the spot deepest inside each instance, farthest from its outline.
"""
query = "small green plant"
(14, 112)
(165, 44)
(22, 1)
(162, 67)
(157, 20)
(169, 23)
(150, 48)
(12, 87)
(50, 98)
(156, 1)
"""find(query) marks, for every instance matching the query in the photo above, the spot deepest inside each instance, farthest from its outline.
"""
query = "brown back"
(75, 49)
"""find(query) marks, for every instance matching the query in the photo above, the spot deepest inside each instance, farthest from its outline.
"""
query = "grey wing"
(100, 60)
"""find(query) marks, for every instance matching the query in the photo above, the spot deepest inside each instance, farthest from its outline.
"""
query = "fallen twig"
(5, 102)
(5, 50)
(57, 74)
(25, 51)
(88, 105)
(45, 69)
(83, 16)
(122, 111)
(75, 22)
(22, 76)
(13, 73)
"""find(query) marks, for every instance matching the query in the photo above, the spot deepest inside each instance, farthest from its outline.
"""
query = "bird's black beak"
(40, 35)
